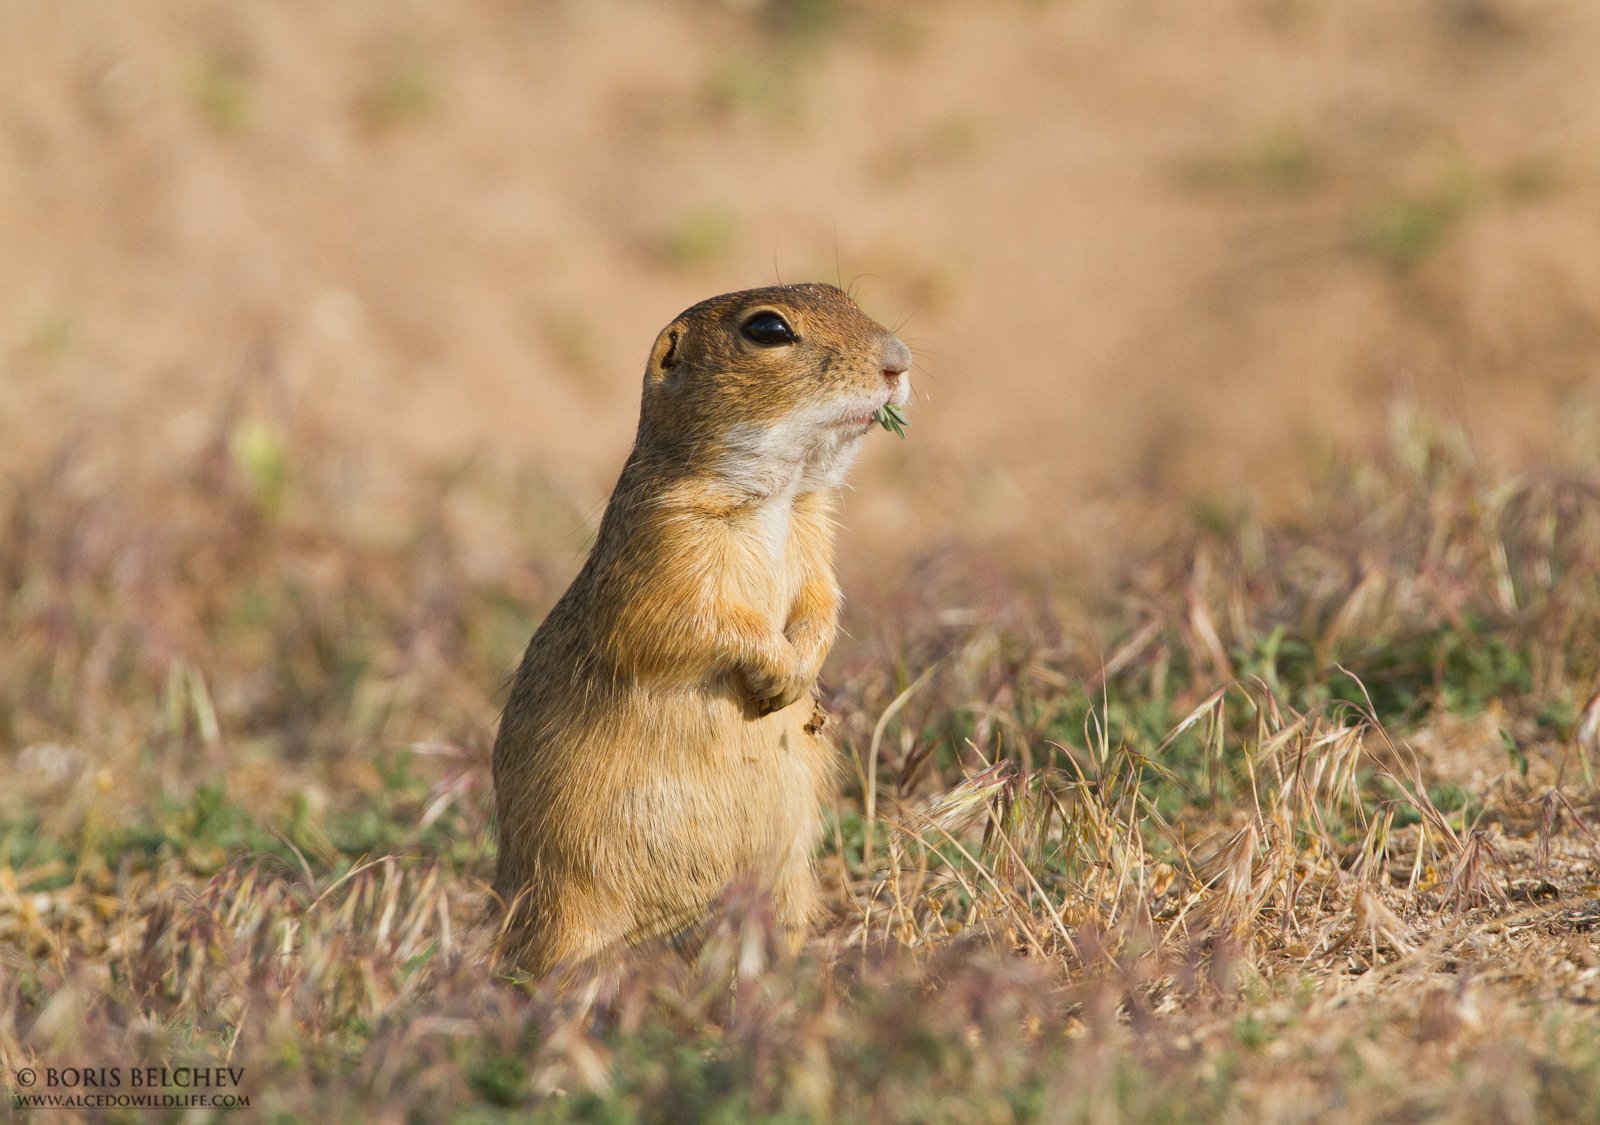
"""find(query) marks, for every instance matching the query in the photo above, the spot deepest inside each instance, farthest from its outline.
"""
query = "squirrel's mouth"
(865, 419)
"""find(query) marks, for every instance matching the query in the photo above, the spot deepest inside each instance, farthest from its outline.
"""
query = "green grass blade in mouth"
(891, 418)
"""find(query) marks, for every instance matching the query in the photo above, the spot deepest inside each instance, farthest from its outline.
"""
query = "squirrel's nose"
(896, 360)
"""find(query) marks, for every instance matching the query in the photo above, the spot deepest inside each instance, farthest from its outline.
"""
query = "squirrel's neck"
(672, 517)
(653, 482)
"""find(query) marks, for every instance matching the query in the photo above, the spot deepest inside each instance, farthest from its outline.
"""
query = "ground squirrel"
(661, 739)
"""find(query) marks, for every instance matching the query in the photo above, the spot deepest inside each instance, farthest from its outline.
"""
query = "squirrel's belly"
(710, 777)
(646, 804)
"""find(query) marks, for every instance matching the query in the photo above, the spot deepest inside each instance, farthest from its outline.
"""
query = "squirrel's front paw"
(770, 691)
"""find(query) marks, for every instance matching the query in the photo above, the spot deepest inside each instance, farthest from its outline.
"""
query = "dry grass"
(1296, 820)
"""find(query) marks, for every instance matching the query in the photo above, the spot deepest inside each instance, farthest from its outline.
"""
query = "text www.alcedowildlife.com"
(116, 1087)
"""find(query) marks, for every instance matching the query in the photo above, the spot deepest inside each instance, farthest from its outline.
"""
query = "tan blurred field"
(1219, 705)
(1135, 246)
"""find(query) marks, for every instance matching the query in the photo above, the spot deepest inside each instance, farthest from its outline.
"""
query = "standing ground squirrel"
(661, 738)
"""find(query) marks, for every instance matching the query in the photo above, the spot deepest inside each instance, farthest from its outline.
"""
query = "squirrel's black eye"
(769, 330)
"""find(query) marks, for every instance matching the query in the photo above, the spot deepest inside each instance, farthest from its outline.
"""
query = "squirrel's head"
(769, 389)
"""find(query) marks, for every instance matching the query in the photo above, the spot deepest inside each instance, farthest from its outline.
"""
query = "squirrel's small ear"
(664, 356)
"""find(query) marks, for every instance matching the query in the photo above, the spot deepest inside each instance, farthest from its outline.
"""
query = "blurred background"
(1138, 249)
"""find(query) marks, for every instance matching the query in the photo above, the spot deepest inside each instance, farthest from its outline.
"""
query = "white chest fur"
(770, 524)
